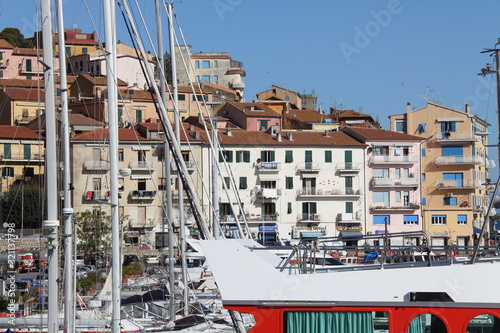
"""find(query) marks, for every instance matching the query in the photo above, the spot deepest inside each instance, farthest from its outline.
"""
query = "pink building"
(251, 116)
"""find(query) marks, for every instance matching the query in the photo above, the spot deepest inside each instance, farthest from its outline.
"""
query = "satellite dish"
(254, 197)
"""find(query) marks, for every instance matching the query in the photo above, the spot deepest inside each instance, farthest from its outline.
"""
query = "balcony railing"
(306, 217)
(270, 167)
(349, 167)
(343, 217)
(296, 230)
(96, 195)
(142, 195)
(254, 218)
(388, 182)
(308, 167)
(460, 183)
(141, 165)
(22, 157)
(269, 193)
(454, 160)
(394, 159)
(96, 165)
(455, 137)
(326, 192)
(23, 69)
(380, 206)
(190, 165)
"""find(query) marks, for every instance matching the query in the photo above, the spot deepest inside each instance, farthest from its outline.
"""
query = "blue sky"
(374, 55)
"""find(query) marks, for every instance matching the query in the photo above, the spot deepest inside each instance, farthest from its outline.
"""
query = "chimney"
(408, 118)
(278, 137)
(467, 108)
(289, 135)
(229, 132)
(197, 135)
(191, 127)
(326, 133)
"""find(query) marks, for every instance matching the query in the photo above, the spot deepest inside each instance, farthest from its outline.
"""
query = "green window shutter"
(7, 151)
(289, 208)
(243, 183)
(138, 116)
(328, 156)
(229, 156)
(348, 156)
(309, 157)
(8, 172)
(273, 158)
(238, 156)
(28, 65)
(348, 182)
(313, 208)
(263, 156)
(221, 157)
(27, 152)
(289, 182)
(246, 156)
(120, 115)
(348, 207)
(289, 156)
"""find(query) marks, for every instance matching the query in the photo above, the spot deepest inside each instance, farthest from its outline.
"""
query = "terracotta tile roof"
(23, 83)
(5, 44)
(217, 87)
(18, 132)
(80, 119)
(299, 138)
(102, 134)
(369, 134)
(25, 94)
(137, 94)
(348, 114)
(100, 80)
(255, 109)
(307, 116)
(26, 51)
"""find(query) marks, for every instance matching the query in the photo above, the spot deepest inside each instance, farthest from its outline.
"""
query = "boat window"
(484, 323)
(336, 321)
(427, 322)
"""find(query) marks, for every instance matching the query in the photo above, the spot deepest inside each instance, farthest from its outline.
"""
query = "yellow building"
(454, 170)
(19, 106)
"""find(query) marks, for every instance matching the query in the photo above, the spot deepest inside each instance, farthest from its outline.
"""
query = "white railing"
(457, 136)
(96, 165)
(459, 160)
(141, 165)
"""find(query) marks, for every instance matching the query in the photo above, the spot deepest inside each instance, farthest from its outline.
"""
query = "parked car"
(80, 261)
(82, 272)
(130, 259)
(152, 260)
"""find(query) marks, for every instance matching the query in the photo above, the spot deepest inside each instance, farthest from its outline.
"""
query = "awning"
(310, 234)
(141, 177)
(309, 175)
(350, 234)
(264, 177)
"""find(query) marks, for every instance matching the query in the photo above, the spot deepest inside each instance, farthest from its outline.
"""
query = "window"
(268, 184)
(198, 78)
(461, 219)
(348, 181)
(1, 74)
(216, 79)
(243, 183)
(381, 197)
(422, 128)
(309, 211)
(328, 156)
(198, 98)
(181, 97)
(84, 50)
(289, 183)
(29, 66)
(267, 156)
(7, 151)
(448, 126)
(455, 179)
(227, 181)
(380, 150)
(452, 151)
(400, 125)
(27, 152)
(438, 219)
(138, 116)
(121, 154)
(227, 155)
(424, 154)
(141, 184)
(289, 156)
(380, 173)
(206, 64)
(312, 321)
(205, 78)
(410, 219)
(162, 183)
(197, 64)
(308, 156)
(402, 150)
(398, 196)
(216, 63)
(29, 172)
(242, 156)
(289, 208)
(423, 177)
(68, 50)
(424, 201)
(381, 219)
(263, 125)
(450, 201)
(349, 206)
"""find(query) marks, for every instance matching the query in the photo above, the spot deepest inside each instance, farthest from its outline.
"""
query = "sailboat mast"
(112, 87)
(68, 209)
(52, 223)
(166, 159)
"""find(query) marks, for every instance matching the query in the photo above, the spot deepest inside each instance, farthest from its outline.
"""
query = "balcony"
(349, 226)
(394, 159)
(141, 166)
(190, 165)
(268, 167)
(4, 63)
(348, 217)
(309, 217)
(456, 137)
(96, 195)
(459, 184)
(96, 165)
(269, 193)
(384, 207)
(349, 167)
(23, 69)
(459, 160)
(23, 120)
(307, 167)
(296, 230)
(328, 192)
(21, 157)
(142, 195)
(251, 218)
(398, 182)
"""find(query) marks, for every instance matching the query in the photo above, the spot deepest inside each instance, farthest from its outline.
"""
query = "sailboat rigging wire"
(175, 147)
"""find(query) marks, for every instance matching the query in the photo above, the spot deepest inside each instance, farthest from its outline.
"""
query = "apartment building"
(455, 190)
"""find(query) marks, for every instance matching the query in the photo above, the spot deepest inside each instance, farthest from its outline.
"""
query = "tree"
(14, 37)
(24, 204)
(167, 66)
(93, 232)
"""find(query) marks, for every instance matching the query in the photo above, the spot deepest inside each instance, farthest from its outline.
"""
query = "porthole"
(425, 323)
(484, 323)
